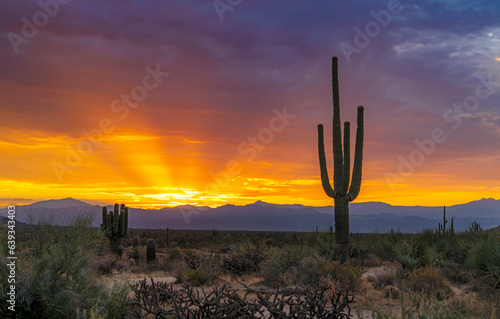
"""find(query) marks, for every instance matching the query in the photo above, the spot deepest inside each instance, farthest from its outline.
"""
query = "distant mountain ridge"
(364, 217)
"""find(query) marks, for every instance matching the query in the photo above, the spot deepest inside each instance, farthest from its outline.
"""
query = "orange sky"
(234, 120)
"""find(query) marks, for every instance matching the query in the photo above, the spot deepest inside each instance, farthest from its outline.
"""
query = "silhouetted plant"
(163, 301)
(115, 224)
(151, 251)
(135, 242)
(344, 189)
(475, 227)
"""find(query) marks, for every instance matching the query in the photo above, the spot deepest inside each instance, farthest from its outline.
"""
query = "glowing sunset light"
(235, 119)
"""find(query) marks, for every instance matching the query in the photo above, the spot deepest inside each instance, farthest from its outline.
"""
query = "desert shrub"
(346, 275)
(237, 264)
(456, 248)
(485, 258)
(207, 272)
(431, 281)
(193, 260)
(325, 245)
(358, 254)
(173, 254)
(244, 261)
(384, 278)
(178, 270)
(456, 273)
(282, 266)
(58, 276)
(106, 264)
(200, 277)
(382, 244)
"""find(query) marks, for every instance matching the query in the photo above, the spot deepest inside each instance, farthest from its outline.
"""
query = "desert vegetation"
(72, 272)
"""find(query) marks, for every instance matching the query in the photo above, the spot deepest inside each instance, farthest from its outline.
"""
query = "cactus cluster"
(345, 189)
(115, 224)
(475, 227)
(442, 228)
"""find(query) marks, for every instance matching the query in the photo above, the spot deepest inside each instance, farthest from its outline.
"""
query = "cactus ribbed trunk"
(345, 189)
(342, 225)
(114, 242)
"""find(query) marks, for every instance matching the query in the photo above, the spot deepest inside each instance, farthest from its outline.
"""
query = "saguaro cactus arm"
(347, 158)
(358, 157)
(338, 161)
(325, 179)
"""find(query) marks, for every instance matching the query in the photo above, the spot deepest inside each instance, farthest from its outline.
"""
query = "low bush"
(430, 281)
(346, 275)
(282, 268)
(208, 271)
(485, 258)
(244, 261)
(383, 279)
(58, 276)
(192, 259)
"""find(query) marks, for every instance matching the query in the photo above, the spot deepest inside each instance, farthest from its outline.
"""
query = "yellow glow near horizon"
(148, 171)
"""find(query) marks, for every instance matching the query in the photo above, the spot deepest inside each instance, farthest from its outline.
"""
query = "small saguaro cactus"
(115, 224)
(475, 227)
(135, 241)
(151, 250)
(442, 228)
(345, 189)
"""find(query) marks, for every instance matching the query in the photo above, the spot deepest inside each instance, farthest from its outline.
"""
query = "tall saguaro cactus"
(115, 224)
(344, 188)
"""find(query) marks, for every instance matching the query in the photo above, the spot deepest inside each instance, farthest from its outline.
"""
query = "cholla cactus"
(151, 250)
(115, 224)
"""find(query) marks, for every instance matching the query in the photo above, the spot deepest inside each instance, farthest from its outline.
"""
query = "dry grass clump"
(384, 278)
(430, 281)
